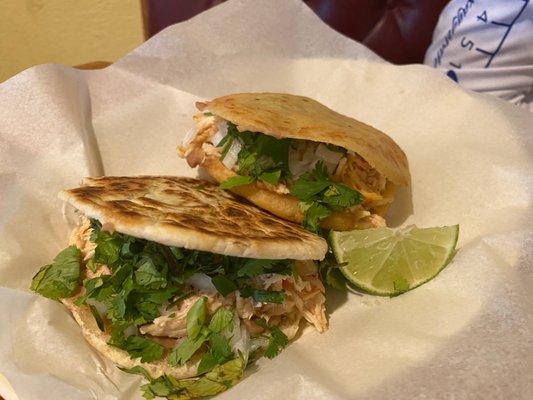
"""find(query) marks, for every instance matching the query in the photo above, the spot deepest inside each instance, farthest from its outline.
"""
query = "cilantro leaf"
(219, 353)
(319, 196)
(138, 346)
(108, 247)
(223, 284)
(91, 286)
(61, 278)
(305, 189)
(276, 342)
(315, 213)
(220, 348)
(220, 320)
(228, 373)
(196, 317)
(207, 363)
(271, 177)
(254, 267)
(218, 379)
(263, 296)
(341, 196)
(137, 370)
(181, 354)
(261, 157)
(116, 307)
(236, 180)
(147, 274)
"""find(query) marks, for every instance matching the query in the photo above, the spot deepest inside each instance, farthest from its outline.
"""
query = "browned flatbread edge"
(192, 214)
(289, 116)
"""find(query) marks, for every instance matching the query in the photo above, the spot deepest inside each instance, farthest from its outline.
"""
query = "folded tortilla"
(373, 164)
(196, 215)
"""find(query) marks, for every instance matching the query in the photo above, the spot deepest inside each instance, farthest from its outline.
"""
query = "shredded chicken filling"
(348, 168)
(304, 298)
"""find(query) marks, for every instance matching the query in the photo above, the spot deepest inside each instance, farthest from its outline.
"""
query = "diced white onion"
(298, 166)
(300, 162)
(223, 128)
(220, 134)
(231, 156)
(217, 137)
(329, 156)
(201, 282)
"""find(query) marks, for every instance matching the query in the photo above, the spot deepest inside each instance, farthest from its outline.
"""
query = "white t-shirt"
(487, 46)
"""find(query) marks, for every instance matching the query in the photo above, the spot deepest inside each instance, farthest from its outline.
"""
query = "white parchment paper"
(465, 335)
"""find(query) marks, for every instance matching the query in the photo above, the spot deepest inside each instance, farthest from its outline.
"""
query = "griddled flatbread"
(289, 116)
(192, 214)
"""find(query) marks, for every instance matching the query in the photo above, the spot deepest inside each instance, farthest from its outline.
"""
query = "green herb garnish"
(137, 346)
(219, 379)
(277, 340)
(202, 334)
(61, 278)
(319, 196)
(261, 157)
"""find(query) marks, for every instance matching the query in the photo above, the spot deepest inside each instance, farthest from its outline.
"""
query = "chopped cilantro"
(261, 157)
(147, 277)
(146, 274)
(314, 213)
(220, 320)
(198, 334)
(236, 180)
(319, 196)
(276, 342)
(181, 354)
(138, 346)
(265, 158)
(254, 267)
(219, 379)
(196, 317)
(223, 284)
(207, 363)
(219, 352)
(271, 177)
(264, 296)
(61, 278)
(330, 273)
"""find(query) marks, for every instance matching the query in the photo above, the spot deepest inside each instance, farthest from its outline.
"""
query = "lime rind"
(385, 262)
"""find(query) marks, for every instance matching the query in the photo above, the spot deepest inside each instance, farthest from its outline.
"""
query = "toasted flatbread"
(192, 214)
(289, 116)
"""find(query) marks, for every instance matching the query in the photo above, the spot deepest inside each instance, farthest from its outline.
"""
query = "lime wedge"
(388, 262)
